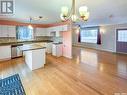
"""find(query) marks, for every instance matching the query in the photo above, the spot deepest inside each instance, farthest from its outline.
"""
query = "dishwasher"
(15, 51)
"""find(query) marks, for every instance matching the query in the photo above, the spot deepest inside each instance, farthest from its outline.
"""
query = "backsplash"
(13, 39)
(8, 34)
(57, 39)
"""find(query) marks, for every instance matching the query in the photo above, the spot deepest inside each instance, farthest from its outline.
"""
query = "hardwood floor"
(90, 72)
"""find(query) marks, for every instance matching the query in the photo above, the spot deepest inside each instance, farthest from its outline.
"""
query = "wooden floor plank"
(90, 72)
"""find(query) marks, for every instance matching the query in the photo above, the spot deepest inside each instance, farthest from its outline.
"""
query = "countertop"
(30, 47)
(2, 43)
(58, 43)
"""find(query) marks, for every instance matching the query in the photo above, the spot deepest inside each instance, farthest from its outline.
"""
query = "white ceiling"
(100, 10)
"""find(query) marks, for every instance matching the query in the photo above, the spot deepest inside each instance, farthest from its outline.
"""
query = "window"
(89, 35)
(122, 35)
(24, 33)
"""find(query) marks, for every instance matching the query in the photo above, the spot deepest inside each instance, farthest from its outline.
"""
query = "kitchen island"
(34, 55)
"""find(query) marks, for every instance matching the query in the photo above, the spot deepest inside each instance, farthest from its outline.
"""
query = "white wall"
(108, 38)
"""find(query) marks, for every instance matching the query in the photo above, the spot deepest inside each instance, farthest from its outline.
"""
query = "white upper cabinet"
(7, 31)
(41, 32)
(58, 34)
(57, 30)
(12, 31)
(3, 31)
(53, 29)
(64, 28)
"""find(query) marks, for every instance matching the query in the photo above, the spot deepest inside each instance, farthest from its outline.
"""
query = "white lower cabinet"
(35, 59)
(48, 46)
(5, 52)
(57, 50)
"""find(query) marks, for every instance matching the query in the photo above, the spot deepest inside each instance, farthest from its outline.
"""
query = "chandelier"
(72, 16)
(38, 18)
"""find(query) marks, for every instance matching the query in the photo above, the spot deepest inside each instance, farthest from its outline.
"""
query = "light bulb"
(30, 27)
(77, 31)
(86, 17)
(74, 18)
(64, 10)
(83, 10)
(62, 17)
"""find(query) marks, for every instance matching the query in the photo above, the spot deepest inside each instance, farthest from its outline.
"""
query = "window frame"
(21, 38)
(118, 35)
(90, 28)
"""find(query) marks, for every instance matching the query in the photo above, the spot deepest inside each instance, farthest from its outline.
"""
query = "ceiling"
(101, 11)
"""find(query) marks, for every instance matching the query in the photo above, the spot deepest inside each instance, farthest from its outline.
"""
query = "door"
(121, 40)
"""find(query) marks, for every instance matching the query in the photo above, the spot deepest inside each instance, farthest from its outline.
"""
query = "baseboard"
(121, 53)
(93, 48)
(5, 59)
(70, 57)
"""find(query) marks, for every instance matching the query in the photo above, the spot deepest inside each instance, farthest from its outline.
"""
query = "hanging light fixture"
(83, 11)
(30, 26)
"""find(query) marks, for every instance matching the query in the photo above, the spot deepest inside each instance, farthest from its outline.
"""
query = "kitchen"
(75, 47)
(52, 38)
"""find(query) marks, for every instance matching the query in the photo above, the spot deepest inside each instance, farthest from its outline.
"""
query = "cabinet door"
(54, 50)
(12, 31)
(0, 31)
(49, 29)
(58, 33)
(4, 32)
(55, 29)
(41, 32)
(5, 52)
(37, 33)
(65, 28)
(49, 48)
(59, 50)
